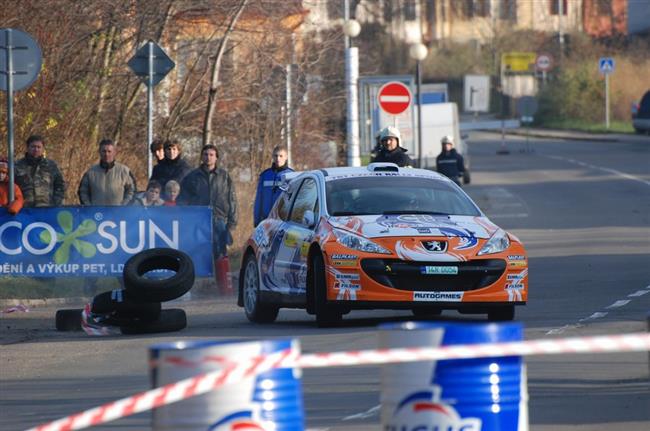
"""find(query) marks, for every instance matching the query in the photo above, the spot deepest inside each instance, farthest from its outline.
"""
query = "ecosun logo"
(65, 237)
(423, 411)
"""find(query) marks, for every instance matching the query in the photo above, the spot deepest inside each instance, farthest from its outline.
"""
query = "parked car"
(641, 119)
(379, 236)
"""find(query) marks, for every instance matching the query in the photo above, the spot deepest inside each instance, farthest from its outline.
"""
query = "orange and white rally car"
(379, 236)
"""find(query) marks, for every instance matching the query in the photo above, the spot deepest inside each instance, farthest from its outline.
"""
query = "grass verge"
(584, 126)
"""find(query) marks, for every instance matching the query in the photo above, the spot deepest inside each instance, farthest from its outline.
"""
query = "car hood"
(377, 226)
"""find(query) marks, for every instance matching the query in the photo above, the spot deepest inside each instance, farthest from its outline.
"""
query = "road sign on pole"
(394, 98)
(606, 66)
(477, 93)
(544, 62)
(152, 63)
(20, 64)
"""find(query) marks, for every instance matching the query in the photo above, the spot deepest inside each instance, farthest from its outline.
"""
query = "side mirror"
(309, 219)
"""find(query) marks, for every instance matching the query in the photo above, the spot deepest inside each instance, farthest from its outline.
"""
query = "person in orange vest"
(16, 205)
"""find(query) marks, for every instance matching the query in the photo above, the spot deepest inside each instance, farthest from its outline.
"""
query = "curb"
(552, 135)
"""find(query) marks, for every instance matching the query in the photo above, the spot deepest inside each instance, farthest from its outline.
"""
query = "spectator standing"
(157, 149)
(211, 185)
(173, 166)
(267, 184)
(38, 177)
(16, 205)
(390, 148)
(449, 163)
(151, 197)
(172, 190)
(108, 182)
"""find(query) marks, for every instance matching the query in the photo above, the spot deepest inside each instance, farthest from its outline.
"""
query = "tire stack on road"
(137, 309)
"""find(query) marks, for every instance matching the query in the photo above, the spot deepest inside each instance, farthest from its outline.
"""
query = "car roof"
(373, 169)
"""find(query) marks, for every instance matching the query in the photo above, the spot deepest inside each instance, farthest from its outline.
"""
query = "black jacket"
(397, 156)
(168, 169)
(450, 164)
(215, 189)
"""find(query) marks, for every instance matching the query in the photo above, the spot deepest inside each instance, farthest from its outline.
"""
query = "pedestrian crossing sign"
(606, 65)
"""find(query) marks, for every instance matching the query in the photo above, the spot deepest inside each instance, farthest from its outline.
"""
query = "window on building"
(603, 7)
(555, 7)
(481, 7)
(409, 10)
(462, 9)
(388, 10)
(508, 10)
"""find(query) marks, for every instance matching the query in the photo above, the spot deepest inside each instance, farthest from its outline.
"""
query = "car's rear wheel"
(255, 310)
(504, 313)
(426, 311)
(326, 315)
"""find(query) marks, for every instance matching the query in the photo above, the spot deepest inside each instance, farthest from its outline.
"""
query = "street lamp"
(351, 28)
(419, 52)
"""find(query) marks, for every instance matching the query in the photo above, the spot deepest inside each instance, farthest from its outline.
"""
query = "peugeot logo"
(435, 246)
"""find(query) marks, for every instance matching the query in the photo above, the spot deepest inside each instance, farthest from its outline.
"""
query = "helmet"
(447, 140)
(390, 132)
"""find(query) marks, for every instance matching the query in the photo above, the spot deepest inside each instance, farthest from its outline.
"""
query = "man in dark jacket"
(267, 184)
(390, 149)
(449, 162)
(172, 167)
(210, 185)
(38, 177)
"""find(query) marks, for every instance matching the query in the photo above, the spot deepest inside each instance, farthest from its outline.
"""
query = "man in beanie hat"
(449, 163)
(390, 149)
(16, 205)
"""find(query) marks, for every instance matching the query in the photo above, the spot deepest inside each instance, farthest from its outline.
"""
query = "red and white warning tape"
(232, 373)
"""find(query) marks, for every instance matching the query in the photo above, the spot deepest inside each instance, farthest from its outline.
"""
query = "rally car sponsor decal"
(342, 259)
(515, 285)
(346, 283)
(438, 296)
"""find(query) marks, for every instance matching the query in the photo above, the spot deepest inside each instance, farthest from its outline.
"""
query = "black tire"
(256, 311)
(326, 315)
(504, 313)
(426, 312)
(122, 305)
(170, 320)
(146, 289)
(68, 319)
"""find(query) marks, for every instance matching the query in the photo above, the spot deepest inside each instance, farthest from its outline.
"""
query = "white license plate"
(439, 270)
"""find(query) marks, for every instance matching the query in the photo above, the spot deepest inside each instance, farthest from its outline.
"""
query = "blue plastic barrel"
(485, 394)
(269, 400)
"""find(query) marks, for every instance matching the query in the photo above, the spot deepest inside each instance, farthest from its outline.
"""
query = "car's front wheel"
(326, 315)
(504, 313)
(256, 311)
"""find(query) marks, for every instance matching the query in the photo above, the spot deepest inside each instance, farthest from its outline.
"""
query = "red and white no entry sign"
(394, 97)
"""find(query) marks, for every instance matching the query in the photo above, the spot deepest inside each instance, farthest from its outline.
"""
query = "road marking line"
(596, 315)
(620, 303)
(600, 168)
(513, 215)
(638, 293)
(369, 413)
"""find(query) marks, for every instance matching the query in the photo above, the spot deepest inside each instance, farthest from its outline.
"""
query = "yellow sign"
(518, 62)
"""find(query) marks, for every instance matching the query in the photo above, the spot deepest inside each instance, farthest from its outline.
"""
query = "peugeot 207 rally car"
(379, 236)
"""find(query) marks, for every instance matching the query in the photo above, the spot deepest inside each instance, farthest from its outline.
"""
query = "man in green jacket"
(38, 177)
(108, 182)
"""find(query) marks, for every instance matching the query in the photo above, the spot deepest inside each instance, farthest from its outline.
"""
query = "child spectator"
(16, 205)
(172, 190)
(151, 197)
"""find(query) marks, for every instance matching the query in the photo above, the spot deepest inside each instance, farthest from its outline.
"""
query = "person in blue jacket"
(267, 185)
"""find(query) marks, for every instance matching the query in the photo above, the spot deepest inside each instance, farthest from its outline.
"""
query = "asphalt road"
(581, 208)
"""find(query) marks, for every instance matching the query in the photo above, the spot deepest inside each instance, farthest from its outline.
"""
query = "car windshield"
(396, 195)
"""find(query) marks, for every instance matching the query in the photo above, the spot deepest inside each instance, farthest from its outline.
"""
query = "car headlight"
(356, 242)
(496, 244)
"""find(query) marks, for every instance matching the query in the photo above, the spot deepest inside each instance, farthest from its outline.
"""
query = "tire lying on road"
(68, 319)
(123, 305)
(146, 289)
(170, 320)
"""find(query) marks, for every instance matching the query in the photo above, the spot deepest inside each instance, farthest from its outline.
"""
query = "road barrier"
(288, 358)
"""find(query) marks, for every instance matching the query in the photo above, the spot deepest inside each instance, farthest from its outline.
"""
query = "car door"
(292, 261)
(273, 275)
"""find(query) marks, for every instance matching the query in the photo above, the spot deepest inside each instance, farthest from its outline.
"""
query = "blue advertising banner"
(97, 241)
